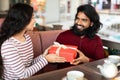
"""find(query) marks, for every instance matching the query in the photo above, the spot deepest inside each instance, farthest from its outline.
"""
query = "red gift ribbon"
(61, 46)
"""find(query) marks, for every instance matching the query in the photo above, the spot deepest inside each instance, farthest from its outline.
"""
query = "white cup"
(75, 75)
(114, 59)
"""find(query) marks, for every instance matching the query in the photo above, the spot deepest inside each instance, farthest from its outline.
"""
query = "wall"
(4, 5)
(52, 11)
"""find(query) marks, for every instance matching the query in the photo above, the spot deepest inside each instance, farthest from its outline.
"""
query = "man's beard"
(79, 32)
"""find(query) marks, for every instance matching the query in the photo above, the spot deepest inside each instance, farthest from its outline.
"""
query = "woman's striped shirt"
(18, 59)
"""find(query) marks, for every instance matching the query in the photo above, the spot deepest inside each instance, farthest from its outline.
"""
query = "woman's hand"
(81, 59)
(54, 58)
(46, 51)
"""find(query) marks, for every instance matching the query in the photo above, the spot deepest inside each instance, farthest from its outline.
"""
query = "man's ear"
(91, 24)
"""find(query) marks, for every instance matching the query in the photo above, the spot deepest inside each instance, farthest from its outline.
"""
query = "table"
(90, 70)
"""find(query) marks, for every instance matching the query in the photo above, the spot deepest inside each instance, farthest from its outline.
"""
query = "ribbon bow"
(61, 46)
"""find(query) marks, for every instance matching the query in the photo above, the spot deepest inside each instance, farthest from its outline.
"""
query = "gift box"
(69, 52)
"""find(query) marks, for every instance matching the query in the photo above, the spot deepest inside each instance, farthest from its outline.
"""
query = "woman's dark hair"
(17, 19)
(91, 13)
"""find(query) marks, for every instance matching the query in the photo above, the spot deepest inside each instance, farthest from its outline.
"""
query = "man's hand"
(81, 59)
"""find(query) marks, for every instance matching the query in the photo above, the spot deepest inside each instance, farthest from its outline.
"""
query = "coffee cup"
(114, 59)
(75, 75)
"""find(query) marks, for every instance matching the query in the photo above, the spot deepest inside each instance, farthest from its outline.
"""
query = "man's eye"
(85, 20)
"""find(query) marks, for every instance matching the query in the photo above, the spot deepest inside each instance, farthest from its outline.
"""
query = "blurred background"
(49, 11)
(61, 13)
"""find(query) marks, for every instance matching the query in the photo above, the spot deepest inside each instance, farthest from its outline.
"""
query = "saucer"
(65, 78)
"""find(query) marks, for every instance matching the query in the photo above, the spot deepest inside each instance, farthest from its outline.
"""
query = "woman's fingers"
(59, 59)
(55, 58)
(46, 51)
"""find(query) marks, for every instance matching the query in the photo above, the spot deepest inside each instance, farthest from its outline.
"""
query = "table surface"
(89, 69)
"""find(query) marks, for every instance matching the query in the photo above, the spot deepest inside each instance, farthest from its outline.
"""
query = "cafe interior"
(55, 16)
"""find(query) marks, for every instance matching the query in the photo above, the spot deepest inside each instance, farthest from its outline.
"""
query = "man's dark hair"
(91, 13)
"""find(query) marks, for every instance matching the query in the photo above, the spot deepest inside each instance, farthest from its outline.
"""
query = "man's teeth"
(80, 27)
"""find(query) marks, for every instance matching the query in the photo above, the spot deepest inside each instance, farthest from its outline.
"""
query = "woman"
(16, 56)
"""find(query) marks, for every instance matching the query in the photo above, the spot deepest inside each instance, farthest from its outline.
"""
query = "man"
(83, 35)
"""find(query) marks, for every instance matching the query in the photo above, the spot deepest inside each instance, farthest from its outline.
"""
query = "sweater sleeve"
(59, 38)
(99, 51)
(14, 65)
(37, 59)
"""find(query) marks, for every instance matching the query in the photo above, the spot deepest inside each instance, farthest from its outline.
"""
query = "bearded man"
(83, 34)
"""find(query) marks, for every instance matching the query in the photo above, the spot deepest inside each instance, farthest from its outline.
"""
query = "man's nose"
(79, 22)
